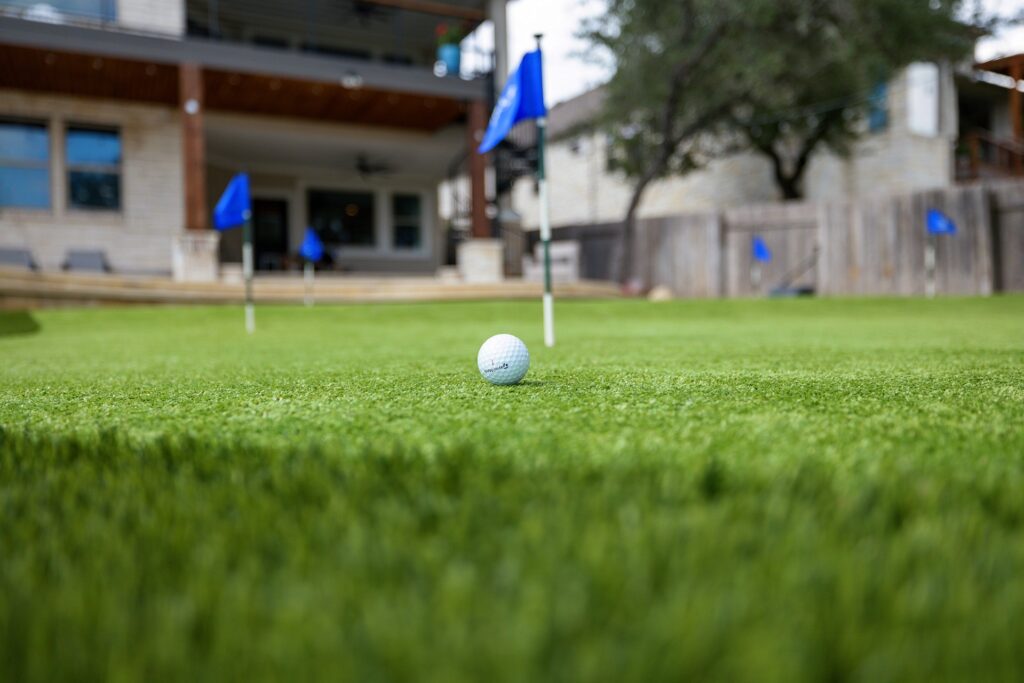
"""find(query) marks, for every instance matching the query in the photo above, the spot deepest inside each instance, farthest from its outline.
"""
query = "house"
(931, 127)
(121, 122)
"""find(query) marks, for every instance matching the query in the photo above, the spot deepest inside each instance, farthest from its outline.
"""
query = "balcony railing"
(981, 155)
(352, 29)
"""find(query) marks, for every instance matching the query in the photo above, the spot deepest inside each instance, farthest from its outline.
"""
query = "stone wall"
(137, 238)
(894, 160)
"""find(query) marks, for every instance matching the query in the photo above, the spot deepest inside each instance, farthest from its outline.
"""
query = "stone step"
(28, 287)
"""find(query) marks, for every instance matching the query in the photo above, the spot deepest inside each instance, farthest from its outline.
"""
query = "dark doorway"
(270, 233)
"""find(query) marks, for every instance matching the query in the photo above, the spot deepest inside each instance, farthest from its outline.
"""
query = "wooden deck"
(19, 288)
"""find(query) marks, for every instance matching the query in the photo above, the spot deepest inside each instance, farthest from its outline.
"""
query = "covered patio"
(353, 148)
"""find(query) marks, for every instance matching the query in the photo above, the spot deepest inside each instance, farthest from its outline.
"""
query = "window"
(343, 218)
(878, 108)
(24, 165)
(54, 11)
(94, 168)
(407, 214)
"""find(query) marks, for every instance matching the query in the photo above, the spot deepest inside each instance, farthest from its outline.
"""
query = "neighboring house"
(928, 128)
(121, 122)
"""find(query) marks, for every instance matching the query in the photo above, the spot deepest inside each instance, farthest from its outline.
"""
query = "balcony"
(393, 32)
(982, 156)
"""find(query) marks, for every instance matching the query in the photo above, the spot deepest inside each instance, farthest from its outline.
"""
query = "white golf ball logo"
(503, 359)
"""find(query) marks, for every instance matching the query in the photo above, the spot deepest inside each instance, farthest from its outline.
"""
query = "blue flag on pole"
(521, 99)
(233, 208)
(939, 223)
(762, 253)
(312, 248)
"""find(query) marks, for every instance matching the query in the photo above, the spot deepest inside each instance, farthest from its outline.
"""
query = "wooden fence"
(868, 247)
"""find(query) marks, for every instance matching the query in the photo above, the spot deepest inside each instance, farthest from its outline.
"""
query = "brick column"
(190, 90)
(481, 226)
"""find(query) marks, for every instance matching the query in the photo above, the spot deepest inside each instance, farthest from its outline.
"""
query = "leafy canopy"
(696, 79)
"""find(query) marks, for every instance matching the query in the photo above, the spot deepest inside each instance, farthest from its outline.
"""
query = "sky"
(568, 73)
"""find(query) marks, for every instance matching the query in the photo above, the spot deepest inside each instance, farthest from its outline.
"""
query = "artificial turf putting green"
(760, 490)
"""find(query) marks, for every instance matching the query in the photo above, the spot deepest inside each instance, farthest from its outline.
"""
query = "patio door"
(270, 233)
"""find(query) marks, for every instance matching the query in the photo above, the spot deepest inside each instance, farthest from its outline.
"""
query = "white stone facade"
(888, 162)
(138, 237)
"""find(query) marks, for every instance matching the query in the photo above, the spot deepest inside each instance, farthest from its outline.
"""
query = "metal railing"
(351, 29)
(982, 155)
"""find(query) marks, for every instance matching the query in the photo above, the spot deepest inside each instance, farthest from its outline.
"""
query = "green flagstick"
(545, 226)
(247, 268)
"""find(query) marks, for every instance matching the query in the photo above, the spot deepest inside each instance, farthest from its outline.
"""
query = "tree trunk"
(788, 183)
(629, 231)
(790, 187)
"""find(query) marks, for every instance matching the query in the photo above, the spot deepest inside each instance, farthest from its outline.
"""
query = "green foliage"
(696, 79)
(678, 69)
(822, 58)
(760, 490)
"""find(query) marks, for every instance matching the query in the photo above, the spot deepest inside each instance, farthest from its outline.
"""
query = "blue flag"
(939, 223)
(312, 248)
(762, 253)
(522, 98)
(233, 208)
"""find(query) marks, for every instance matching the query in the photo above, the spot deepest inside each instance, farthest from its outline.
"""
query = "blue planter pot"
(451, 56)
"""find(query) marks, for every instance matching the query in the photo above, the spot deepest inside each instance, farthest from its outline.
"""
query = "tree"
(696, 79)
(679, 69)
(822, 60)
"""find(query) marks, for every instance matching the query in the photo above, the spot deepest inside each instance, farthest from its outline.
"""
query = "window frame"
(34, 164)
(118, 169)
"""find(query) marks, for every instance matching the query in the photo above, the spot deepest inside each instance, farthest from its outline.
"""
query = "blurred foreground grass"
(760, 490)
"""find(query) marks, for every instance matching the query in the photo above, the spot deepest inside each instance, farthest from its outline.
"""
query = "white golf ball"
(503, 359)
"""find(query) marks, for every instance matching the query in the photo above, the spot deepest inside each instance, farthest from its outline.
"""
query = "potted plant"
(449, 53)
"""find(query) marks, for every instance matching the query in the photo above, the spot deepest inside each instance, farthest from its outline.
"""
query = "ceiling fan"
(367, 168)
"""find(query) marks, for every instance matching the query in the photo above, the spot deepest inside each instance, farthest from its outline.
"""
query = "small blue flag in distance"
(312, 248)
(521, 99)
(939, 223)
(233, 208)
(762, 253)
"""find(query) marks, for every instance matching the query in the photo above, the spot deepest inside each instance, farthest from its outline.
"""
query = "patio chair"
(86, 261)
(16, 257)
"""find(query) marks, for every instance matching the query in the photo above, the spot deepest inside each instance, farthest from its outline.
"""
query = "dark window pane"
(28, 187)
(878, 108)
(407, 236)
(343, 218)
(89, 190)
(406, 206)
(89, 146)
(24, 142)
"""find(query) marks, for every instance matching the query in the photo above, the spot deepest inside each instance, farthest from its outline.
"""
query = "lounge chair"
(86, 261)
(16, 257)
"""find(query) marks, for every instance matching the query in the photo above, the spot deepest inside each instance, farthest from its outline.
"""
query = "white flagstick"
(250, 311)
(755, 276)
(929, 267)
(545, 238)
(545, 227)
(307, 273)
